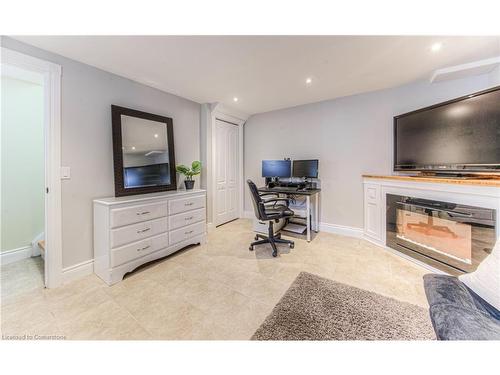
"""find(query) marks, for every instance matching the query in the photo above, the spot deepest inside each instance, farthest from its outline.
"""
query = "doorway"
(30, 148)
(227, 165)
(22, 180)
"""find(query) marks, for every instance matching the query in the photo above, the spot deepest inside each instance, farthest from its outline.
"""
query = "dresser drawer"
(186, 218)
(135, 232)
(135, 214)
(138, 249)
(186, 204)
(189, 231)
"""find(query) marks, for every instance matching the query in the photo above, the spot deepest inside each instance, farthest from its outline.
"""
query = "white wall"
(87, 96)
(351, 136)
(495, 76)
(22, 168)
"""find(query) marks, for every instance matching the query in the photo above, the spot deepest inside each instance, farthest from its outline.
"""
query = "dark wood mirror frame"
(120, 190)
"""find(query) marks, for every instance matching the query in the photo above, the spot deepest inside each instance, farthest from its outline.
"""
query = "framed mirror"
(143, 152)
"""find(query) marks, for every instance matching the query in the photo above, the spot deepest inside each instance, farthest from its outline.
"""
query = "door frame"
(226, 114)
(52, 133)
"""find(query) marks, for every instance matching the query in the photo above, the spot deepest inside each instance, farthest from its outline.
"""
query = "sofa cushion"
(452, 322)
(448, 290)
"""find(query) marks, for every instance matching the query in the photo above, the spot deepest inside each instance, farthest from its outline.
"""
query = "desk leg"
(308, 220)
(316, 212)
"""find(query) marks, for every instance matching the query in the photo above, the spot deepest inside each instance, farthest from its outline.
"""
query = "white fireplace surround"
(376, 189)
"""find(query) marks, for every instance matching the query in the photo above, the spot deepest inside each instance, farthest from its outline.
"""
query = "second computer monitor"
(276, 168)
(305, 168)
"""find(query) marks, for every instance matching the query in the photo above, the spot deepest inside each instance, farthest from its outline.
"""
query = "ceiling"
(269, 72)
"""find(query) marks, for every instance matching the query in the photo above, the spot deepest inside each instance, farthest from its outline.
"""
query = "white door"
(227, 171)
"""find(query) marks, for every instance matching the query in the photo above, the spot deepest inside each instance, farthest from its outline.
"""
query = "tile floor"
(219, 290)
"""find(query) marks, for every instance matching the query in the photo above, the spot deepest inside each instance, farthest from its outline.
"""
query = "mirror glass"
(145, 153)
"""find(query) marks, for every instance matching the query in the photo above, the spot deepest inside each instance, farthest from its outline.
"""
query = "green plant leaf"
(196, 167)
(182, 169)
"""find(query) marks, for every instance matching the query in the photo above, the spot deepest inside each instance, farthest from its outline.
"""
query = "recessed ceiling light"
(133, 147)
(156, 135)
(309, 81)
(436, 47)
(235, 99)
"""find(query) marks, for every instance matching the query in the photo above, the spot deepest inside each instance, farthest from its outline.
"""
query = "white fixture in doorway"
(52, 124)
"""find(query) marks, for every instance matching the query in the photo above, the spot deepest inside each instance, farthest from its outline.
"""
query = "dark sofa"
(457, 313)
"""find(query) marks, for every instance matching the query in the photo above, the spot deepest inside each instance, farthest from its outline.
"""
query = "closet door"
(227, 171)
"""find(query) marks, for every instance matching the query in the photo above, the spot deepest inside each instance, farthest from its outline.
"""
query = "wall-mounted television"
(460, 135)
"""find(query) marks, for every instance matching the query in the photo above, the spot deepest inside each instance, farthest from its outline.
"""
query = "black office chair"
(268, 209)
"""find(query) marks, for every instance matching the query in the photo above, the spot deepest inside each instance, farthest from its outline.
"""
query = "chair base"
(271, 239)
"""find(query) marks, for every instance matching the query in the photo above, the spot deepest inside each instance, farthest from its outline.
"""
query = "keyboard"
(285, 188)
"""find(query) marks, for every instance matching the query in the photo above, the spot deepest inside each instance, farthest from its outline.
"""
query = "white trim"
(77, 271)
(15, 255)
(53, 223)
(466, 70)
(341, 229)
(30, 76)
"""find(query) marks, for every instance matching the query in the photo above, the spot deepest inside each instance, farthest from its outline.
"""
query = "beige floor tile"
(107, 321)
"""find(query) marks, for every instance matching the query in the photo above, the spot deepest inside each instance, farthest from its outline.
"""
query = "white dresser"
(131, 231)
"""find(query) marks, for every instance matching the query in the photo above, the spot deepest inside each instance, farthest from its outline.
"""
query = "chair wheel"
(256, 237)
(250, 248)
(275, 254)
(292, 245)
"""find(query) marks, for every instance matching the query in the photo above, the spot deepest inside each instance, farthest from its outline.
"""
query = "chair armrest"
(270, 193)
(275, 200)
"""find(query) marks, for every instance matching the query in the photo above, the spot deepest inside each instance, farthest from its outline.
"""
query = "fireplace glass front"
(449, 236)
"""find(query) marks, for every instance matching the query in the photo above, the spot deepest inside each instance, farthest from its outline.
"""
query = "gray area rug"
(315, 308)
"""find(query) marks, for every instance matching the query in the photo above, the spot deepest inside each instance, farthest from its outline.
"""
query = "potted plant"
(189, 173)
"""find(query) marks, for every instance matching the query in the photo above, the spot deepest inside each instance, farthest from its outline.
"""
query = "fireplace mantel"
(479, 180)
(483, 193)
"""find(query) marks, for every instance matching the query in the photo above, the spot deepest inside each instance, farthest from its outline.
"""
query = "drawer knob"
(143, 213)
(188, 204)
(188, 232)
(144, 230)
(189, 218)
(144, 248)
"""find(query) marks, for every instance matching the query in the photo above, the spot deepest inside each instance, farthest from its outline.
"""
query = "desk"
(308, 194)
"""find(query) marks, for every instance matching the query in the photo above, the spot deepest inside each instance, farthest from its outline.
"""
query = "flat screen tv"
(147, 175)
(460, 135)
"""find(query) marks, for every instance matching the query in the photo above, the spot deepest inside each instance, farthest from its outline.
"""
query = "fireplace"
(452, 237)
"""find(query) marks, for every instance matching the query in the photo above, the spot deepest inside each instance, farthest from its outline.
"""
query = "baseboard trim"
(14, 255)
(78, 271)
(341, 229)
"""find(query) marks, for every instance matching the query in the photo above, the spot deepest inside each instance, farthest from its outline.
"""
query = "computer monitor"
(305, 168)
(276, 168)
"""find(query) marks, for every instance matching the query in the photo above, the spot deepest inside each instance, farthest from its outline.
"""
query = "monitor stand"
(272, 181)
